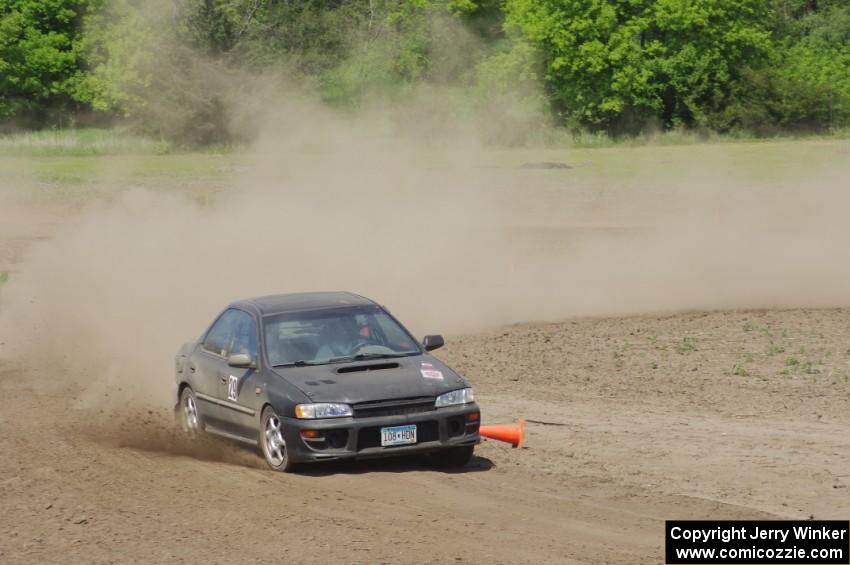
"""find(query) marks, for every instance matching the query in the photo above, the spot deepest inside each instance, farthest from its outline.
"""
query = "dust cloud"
(436, 231)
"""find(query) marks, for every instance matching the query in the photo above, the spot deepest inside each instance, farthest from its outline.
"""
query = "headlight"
(462, 396)
(323, 410)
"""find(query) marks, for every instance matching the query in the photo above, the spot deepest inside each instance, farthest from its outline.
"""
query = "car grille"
(394, 407)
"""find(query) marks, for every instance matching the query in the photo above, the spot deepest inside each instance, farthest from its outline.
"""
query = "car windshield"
(335, 335)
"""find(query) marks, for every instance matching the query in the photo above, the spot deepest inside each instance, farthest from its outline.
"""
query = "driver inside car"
(337, 339)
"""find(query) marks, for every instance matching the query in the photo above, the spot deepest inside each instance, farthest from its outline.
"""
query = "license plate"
(398, 435)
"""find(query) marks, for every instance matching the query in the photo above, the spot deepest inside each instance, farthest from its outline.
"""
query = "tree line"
(175, 68)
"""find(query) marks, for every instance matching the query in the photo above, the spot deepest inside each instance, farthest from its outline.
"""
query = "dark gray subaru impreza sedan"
(318, 376)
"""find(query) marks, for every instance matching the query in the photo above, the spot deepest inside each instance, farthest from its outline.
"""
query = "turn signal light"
(473, 416)
(310, 434)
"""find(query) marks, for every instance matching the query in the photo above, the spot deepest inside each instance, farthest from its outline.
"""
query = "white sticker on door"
(232, 392)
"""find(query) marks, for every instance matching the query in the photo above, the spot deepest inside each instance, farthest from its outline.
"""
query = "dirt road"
(642, 425)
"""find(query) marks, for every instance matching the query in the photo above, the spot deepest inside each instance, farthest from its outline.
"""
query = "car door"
(239, 385)
(208, 365)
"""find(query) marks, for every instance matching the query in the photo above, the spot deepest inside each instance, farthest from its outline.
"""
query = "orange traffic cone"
(513, 434)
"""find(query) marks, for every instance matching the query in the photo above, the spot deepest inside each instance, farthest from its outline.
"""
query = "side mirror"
(432, 342)
(242, 360)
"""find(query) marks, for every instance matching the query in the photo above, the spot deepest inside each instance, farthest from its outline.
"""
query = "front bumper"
(348, 438)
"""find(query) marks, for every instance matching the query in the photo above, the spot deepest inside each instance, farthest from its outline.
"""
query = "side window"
(245, 335)
(221, 334)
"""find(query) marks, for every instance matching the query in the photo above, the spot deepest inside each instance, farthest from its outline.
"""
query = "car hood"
(374, 380)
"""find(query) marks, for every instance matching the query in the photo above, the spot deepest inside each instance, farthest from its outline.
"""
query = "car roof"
(280, 303)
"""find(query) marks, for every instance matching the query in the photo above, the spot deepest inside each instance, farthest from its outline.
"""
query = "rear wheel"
(453, 457)
(273, 443)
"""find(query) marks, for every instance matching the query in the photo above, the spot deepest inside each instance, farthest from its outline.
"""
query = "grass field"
(77, 166)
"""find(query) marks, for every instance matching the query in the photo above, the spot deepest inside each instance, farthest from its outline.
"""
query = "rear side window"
(220, 336)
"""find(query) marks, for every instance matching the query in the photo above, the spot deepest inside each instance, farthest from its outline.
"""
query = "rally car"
(312, 377)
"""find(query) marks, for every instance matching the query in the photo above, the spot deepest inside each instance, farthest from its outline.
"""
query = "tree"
(40, 57)
(616, 64)
(806, 86)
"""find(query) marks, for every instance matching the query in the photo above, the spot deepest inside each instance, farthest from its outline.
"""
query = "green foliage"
(807, 85)
(146, 67)
(117, 45)
(394, 45)
(616, 65)
(216, 26)
(40, 57)
(508, 87)
(179, 69)
(312, 35)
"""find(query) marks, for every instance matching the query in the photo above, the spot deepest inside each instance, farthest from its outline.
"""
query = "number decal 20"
(232, 393)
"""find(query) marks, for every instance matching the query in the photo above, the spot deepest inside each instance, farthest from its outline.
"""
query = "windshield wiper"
(346, 358)
(364, 356)
(299, 363)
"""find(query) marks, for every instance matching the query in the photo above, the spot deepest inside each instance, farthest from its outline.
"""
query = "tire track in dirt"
(78, 491)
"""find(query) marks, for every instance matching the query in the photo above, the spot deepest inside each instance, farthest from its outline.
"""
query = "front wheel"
(453, 457)
(273, 443)
(188, 416)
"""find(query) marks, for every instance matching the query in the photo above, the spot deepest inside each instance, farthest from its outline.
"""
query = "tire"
(188, 417)
(272, 442)
(453, 457)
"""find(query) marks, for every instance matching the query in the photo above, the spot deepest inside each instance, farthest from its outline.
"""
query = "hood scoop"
(371, 367)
